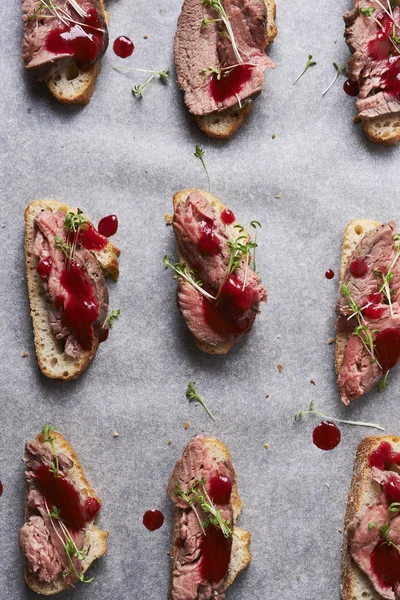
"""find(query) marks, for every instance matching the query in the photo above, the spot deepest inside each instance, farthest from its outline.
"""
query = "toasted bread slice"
(353, 235)
(180, 198)
(53, 362)
(363, 491)
(224, 124)
(240, 556)
(95, 538)
(72, 85)
(383, 130)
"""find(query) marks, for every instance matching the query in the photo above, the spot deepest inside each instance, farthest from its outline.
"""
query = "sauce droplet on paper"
(153, 519)
(326, 436)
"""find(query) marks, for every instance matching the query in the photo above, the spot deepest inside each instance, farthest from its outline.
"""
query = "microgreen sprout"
(362, 330)
(338, 70)
(63, 246)
(112, 317)
(314, 411)
(384, 529)
(200, 155)
(367, 12)
(49, 9)
(382, 385)
(198, 495)
(255, 224)
(310, 63)
(47, 430)
(219, 8)
(183, 271)
(137, 90)
(191, 394)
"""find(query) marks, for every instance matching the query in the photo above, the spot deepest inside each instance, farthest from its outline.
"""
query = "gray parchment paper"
(127, 156)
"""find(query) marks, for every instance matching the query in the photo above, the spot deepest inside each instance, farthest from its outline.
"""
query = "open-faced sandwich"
(67, 259)
(208, 549)
(219, 293)
(368, 307)
(371, 549)
(59, 539)
(373, 35)
(64, 41)
(220, 59)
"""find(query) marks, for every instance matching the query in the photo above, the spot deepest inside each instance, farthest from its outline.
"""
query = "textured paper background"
(125, 156)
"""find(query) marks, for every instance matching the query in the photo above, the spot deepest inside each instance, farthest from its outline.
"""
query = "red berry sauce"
(359, 267)
(383, 457)
(219, 489)
(230, 82)
(387, 344)
(227, 217)
(153, 519)
(329, 274)
(108, 226)
(123, 46)
(215, 555)
(44, 267)
(1, 488)
(385, 563)
(326, 436)
(209, 243)
(351, 87)
(91, 239)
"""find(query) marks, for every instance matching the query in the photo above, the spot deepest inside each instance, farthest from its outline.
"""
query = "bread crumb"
(278, 196)
(115, 434)
(331, 497)
(327, 485)
(280, 368)
(186, 425)
(340, 529)
(146, 37)
(273, 136)
(335, 41)
(298, 577)
(362, 158)
(168, 218)
(24, 354)
(169, 442)
(267, 395)
(312, 381)
(331, 340)
(266, 446)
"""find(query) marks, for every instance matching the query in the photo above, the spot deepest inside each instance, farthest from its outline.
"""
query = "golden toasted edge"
(95, 537)
(86, 91)
(372, 126)
(361, 480)
(223, 125)
(353, 235)
(180, 198)
(240, 556)
(78, 365)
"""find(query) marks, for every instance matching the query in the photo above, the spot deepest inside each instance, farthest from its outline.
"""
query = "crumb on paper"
(24, 354)
(327, 485)
(298, 577)
(3, 226)
(115, 434)
(266, 446)
(335, 41)
(362, 158)
(331, 497)
(278, 196)
(168, 218)
(169, 442)
(146, 37)
(340, 529)
(312, 381)
(280, 368)
(267, 395)
(186, 425)
(331, 340)
(273, 136)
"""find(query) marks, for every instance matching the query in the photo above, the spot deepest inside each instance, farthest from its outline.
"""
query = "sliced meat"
(41, 555)
(198, 48)
(48, 42)
(239, 294)
(375, 64)
(188, 581)
(50, 225)
(376, 253)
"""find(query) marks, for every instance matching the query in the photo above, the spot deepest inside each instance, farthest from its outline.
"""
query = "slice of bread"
(72, 85)
(353, 235)
(224, 124)
(363, 491)
(95, 538)
(53, 362)
(384, 129)
(240, 556)
(180, 198)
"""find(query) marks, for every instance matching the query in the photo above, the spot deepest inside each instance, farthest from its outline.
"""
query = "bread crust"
(80, 88)
(353, 235)
(53, 363)
(384, 130)
(180, 198)
(355, 584)
(223, 125)
(94, 537)
(240, 555)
